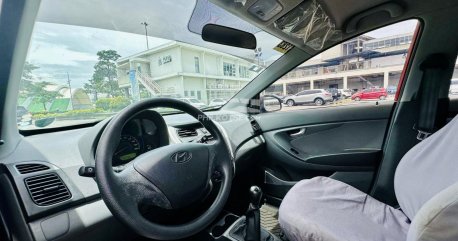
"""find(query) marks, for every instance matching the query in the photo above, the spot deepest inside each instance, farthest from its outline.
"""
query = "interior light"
(265, 9)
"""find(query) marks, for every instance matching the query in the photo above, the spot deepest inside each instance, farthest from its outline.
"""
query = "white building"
(183, 70)
(359, 63)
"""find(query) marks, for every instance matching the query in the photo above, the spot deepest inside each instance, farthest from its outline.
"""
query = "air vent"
(47, 189)
(29, 168)
(187, 132)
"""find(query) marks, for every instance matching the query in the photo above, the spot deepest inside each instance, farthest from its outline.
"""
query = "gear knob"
(255, 197)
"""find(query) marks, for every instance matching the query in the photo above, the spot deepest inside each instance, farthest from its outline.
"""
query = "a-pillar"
(386, 79)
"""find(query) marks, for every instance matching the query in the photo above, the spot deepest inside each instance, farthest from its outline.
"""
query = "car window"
(364, 64)
(80, 71)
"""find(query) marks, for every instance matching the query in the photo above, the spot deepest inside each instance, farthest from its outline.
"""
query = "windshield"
(82, 69)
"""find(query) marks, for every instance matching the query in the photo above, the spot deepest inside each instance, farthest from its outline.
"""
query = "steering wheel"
(169, 177)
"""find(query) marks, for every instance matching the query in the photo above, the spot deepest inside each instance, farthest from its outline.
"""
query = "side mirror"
(228, 36)
(270, 103)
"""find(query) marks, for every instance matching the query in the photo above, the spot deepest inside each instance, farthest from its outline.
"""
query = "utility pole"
(258, 54)
(146, 33)
(70, 88)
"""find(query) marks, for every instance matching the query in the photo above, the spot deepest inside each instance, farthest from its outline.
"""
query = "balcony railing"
(224, 86)
(362, 65)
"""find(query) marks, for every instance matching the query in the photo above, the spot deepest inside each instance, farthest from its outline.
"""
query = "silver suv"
(316, 96)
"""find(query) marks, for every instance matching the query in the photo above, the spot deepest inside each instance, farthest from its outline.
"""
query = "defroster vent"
(32, 167)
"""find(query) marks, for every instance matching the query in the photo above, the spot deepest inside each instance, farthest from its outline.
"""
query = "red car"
(370, 94)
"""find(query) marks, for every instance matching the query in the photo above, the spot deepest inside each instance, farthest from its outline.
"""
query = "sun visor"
(206, 12)
(309, 23)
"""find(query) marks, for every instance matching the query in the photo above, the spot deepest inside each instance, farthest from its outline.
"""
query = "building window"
(196, 64)
(243, 72)
(229, 69)
(192, 93)
(186, 93)
(199, 95)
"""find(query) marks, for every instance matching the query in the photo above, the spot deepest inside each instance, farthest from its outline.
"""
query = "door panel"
(344, 143)
(302, 98)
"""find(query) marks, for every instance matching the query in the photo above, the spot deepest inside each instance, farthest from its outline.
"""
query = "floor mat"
(269, 219)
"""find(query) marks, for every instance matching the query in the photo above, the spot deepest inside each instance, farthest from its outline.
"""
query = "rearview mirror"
(270, 103)
(228, 36)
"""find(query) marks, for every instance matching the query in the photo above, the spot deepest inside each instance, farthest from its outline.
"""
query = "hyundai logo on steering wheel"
(181, 157)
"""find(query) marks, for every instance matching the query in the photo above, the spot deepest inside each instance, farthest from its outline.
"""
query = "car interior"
(248, 169)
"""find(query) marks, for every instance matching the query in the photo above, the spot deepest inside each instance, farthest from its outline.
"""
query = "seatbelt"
(433, 73)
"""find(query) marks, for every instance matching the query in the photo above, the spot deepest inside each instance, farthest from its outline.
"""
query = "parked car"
(23, 116)
(345, 93)
(370, 94)
(216, 102)
(391, 90)
(454, 87)
(316, 96)
(194, 102)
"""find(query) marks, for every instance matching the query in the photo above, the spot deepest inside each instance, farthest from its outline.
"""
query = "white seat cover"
(426, 185)
(323, 209)
(427, 169)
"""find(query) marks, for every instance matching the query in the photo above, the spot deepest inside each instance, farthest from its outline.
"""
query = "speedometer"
(129, 147)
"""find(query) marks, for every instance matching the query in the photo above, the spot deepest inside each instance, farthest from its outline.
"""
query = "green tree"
(94, 87)
(37, 90)
(105, 72)
(26, 80)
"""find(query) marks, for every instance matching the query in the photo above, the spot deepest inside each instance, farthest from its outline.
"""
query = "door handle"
(297, 133)
(271, 179)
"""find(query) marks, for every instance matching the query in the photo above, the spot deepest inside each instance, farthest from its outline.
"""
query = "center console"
(244, 228)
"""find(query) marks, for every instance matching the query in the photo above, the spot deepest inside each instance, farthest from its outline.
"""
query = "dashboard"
(61, 154)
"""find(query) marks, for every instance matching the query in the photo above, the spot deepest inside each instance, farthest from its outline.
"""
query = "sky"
(57, 49)
(394, 29)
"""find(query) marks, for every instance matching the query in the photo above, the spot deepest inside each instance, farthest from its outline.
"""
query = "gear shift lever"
(253, 217)
(255, 197)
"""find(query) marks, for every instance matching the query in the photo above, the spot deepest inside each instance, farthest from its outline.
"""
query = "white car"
(194, 102)
(345, 93)
(454, 87)
(316, 96)
(216, 102)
